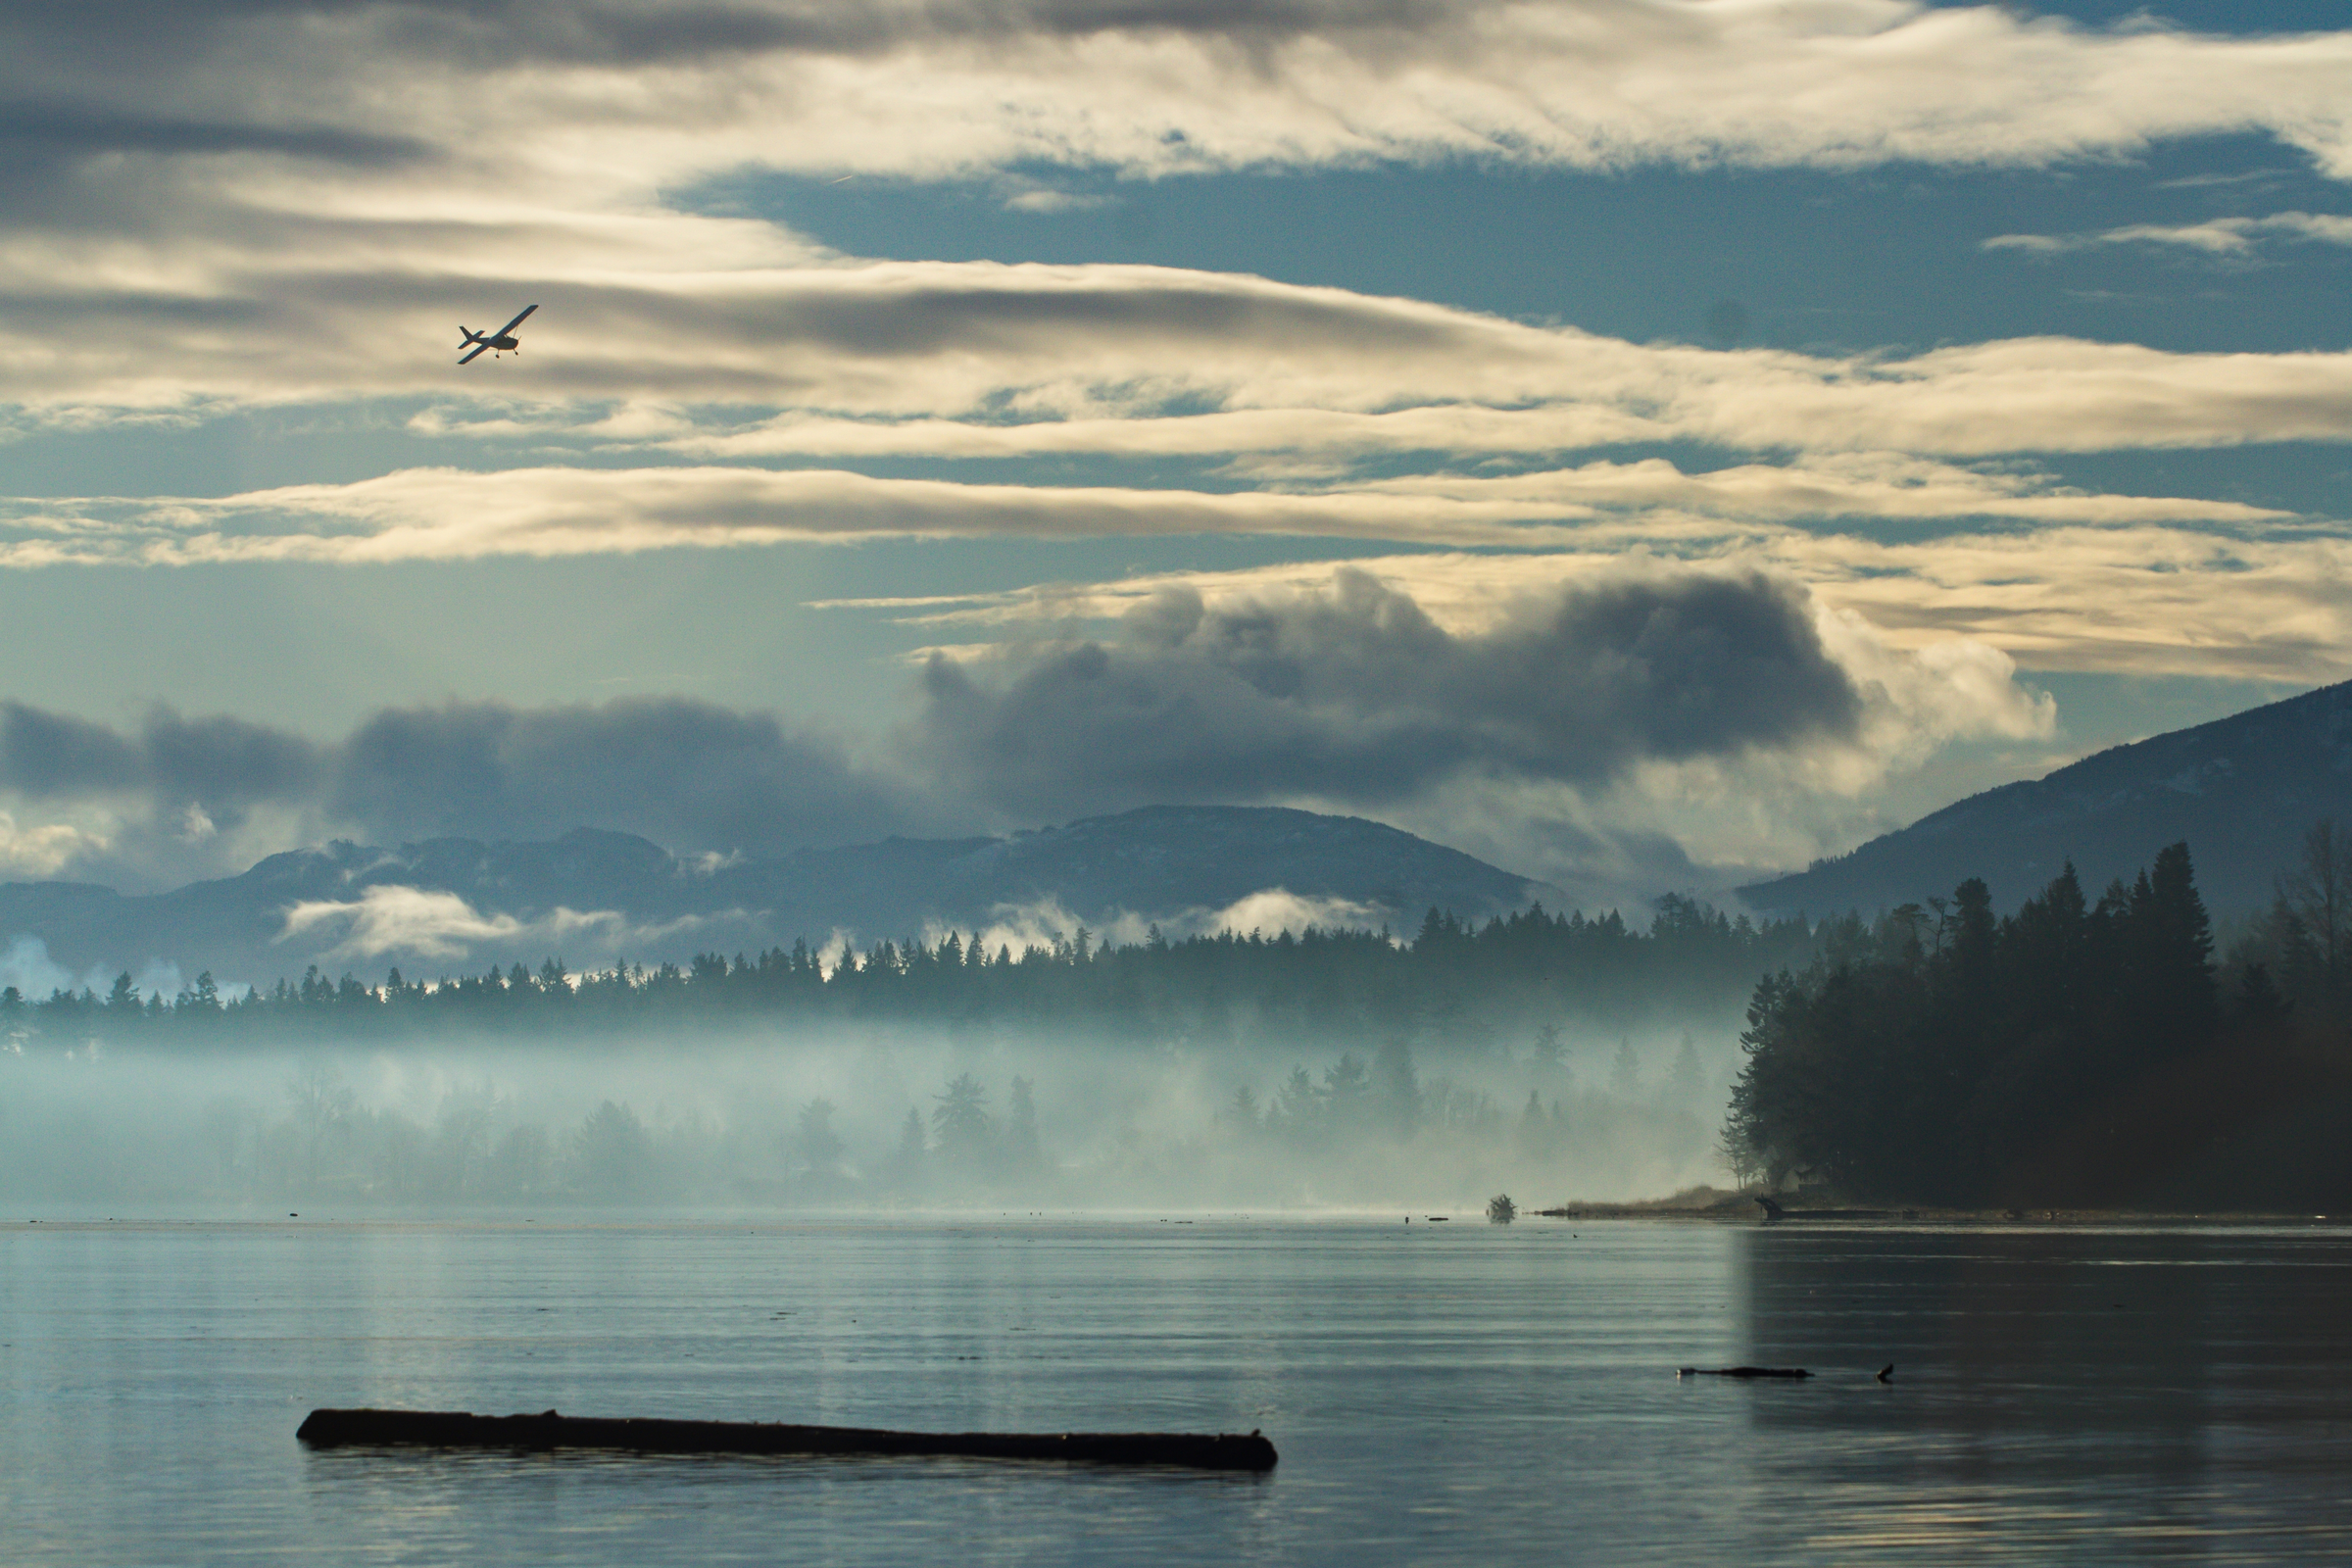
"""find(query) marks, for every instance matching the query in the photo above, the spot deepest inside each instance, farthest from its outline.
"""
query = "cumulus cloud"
(1611, 728)
(1356, 694)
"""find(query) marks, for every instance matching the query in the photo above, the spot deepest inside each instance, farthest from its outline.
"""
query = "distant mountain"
(451, 904)
(2241, 791)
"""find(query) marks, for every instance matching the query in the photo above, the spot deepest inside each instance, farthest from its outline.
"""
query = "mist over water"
(860, 1117)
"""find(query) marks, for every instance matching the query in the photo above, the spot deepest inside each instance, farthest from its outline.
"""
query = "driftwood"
(456, 1428)
(1743, 1372)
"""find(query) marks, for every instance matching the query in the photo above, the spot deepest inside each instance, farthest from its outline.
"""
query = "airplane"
(503, 338)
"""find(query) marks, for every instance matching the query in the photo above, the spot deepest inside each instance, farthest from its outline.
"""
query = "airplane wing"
(517, 321)
(473, 354)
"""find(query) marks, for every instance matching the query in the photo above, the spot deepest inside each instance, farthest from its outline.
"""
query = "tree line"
(2078, 1051)
(1461, 981)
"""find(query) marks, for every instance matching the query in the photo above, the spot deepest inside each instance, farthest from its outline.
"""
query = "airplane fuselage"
(502, 341)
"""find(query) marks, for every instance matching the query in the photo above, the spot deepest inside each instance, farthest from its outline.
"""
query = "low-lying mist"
(858, 1118)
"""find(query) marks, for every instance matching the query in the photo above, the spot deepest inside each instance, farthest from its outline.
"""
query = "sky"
(1644, 444)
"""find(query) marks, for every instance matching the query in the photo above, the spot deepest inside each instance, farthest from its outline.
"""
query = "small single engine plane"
(502, 339)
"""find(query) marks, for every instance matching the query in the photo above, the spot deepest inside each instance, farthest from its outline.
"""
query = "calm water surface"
(1454, 1393)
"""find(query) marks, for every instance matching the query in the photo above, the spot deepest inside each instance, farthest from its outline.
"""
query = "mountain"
(2241, 791)
(590, 897)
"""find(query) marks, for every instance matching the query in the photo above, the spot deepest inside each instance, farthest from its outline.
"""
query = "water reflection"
(1470, 1395)
(2158, 1392)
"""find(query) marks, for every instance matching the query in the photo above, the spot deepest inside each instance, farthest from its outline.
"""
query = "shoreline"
(1713, 1206)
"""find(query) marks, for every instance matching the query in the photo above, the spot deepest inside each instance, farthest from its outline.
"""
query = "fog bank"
(863, 1119)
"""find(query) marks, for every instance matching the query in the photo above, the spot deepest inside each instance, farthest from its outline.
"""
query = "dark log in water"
(456, 1428)
(1743, 1372)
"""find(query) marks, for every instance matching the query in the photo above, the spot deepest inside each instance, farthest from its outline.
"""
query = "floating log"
(1743, 1372)
(457, 1429)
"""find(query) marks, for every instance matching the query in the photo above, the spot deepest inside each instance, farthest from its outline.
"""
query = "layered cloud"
(451, 514)
(2062, 578)
(2233, 237)
(293, 203)
(981, 361)
(2268, 604)
(611, 91)
(208, 211)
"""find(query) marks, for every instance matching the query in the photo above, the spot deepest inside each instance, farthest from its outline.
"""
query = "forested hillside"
(2076, 1052)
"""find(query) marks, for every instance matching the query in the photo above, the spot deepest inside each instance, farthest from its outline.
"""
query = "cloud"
(294, 203)
(1017, 927)
(67, 131)
(1358, 695)
(206, 772)
(943, 88)
(449, 515)
(1274, 910)
(179, 797)
(388, 918)
(44, 849)
(1048, 200)
(2265, 604)
(1609, 726)
(27, 967)
(980, 361)
(2230, 237)
(690, 775)
(1446, 694)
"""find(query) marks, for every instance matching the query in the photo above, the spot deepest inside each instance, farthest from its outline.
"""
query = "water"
(1458, 1393)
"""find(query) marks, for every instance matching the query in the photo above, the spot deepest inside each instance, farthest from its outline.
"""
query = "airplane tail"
(465, 334)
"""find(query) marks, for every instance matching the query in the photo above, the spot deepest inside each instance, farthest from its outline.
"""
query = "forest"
(2108, 1051)
(2076, 1053)
(1454, 984)
(1537, 1053)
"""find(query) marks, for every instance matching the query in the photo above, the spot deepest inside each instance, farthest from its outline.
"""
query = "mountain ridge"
(2240, 790)
(593, 895)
